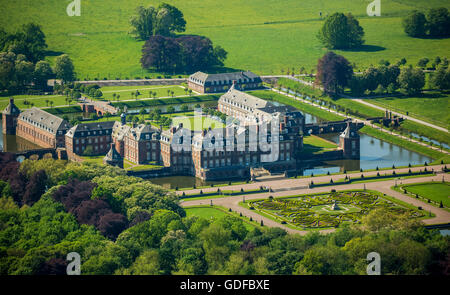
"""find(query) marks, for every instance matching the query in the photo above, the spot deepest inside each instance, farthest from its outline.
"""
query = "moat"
(374, 153)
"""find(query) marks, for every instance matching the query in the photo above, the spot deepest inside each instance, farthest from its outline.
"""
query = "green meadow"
(433, 107)
(126, 91)
(38, 101)
(432, 190)
(265, 36)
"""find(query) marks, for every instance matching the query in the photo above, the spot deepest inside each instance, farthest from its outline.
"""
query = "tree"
(412, 80)
(341, 31)
(441, 79)
(333, 72)
(64, 68)
(423, 62)
(151, 21)
(438, 22)
(415, 24)
(162, 53)
(42, 72)
(143, 22)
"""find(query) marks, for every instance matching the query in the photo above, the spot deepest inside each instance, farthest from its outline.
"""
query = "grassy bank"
(436, 155)
(273, 96)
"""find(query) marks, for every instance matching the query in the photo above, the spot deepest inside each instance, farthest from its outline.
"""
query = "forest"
(122, 225)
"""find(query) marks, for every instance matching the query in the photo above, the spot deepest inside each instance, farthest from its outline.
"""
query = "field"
(38, 101)
(315, 211)
(315, 144)
(215, 212)
(265, 36)
(433, 107)
(125, 92)
(435, 191)
(197, 123)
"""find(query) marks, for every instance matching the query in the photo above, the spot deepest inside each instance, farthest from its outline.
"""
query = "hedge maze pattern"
(309, 212)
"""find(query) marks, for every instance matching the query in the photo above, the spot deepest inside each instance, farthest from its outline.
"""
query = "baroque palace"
(257, 134)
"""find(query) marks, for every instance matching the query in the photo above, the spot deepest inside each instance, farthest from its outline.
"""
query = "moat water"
(374, 153)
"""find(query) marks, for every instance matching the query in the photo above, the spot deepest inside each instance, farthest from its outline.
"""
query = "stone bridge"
(329, 127)
(59, 153)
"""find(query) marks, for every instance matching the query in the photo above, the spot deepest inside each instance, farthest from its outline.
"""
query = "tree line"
(335, 74)
(124, 225)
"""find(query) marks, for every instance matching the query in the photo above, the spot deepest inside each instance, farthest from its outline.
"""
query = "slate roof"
(224, 78)
(245, 99)
(141, 130)
(11, 108)
(119, 130)
(90, 127)
(112, 154)
(43, 120)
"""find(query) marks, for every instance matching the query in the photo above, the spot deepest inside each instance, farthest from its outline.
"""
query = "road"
(442, 216)
(400, 114)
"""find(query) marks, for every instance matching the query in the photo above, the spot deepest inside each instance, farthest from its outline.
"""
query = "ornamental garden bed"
(329, 210)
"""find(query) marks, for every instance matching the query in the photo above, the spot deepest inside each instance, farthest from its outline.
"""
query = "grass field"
(433, 107)
(264, 36)
(125, 92)
(215, 212)
(315, 144)
(435, 191)
(38, 101)
(197, 123)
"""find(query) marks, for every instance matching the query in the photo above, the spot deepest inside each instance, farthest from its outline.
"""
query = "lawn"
(436, 191)
(265, 36)
(125, 92)
(197, 123)
(38, 101)
(315, 144)
(214, 212)
(433, 107)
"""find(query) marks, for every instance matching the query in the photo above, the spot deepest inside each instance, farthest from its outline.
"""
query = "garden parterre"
(315, 211)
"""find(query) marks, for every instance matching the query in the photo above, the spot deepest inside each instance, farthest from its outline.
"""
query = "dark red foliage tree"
(9, 172)
(112, 224)
(35, 187)
(90, 211)
(162, 53)
(334, 73)
(54, 266)
(76, 198)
